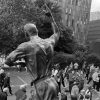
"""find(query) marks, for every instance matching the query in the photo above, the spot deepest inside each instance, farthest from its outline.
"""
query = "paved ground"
(19, 78)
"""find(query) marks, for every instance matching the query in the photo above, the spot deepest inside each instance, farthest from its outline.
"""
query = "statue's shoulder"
(24, 45)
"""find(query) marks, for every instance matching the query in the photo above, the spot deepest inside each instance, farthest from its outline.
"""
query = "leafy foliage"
(93, 59)
(66, 42)
(16, 13)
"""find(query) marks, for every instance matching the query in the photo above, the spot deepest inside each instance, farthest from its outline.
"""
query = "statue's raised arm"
(56, 33)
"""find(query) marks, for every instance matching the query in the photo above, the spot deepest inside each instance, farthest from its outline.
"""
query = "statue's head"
(31, 29)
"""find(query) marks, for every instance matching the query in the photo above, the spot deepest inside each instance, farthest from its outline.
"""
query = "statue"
(37, 53)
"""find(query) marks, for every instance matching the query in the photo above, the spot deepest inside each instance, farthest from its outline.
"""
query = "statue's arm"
(56, 33)
(15, 55)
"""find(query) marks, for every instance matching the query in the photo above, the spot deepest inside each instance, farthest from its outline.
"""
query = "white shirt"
(56, 71)
(95, 77)
(75, 91)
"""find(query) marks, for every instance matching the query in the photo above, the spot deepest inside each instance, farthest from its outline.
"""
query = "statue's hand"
(48, 14)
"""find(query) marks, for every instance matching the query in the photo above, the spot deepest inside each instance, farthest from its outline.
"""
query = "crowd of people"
(81, 81)
(78, 82)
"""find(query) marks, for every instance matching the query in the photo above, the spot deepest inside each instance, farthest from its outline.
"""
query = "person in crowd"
(74, 91)
(76, 66)
(92, 70)
(19, 65)
(87, 72)
(53, 71)
(1, 70)
(99, 79)
(21, 93)
(88, 93)
(2, 76)
(82, 95)
(96, 79)
(32, 92)
(7, 82)
(84, 67)
(26, 69)
(3, 95)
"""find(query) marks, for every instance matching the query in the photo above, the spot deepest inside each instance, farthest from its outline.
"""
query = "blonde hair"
(5, 89)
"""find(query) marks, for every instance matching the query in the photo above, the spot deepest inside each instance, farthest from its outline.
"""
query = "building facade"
(76, 14)
(93, 37)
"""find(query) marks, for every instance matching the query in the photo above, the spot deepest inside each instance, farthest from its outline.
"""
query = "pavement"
(17, 79)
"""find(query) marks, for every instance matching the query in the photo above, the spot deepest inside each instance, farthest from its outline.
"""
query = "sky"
(95, 6)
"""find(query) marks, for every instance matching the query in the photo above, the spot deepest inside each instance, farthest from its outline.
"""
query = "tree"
(66, 42)
(16, 13)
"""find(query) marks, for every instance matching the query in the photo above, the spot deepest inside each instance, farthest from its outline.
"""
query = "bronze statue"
(37, 53)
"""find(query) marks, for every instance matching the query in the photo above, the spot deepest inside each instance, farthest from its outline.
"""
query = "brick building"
(76, 14)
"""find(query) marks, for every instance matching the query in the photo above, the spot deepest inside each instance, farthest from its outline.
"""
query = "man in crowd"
(96, 79)
(92, 70)
(3, 95)
(74, 91)
(7, 82)
(76, 66)
(37, 53)
(2, 75)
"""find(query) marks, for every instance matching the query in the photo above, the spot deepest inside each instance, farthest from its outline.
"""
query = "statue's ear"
(34, 23)
(26, 35)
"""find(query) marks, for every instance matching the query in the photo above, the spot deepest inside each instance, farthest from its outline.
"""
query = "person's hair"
(31, 29)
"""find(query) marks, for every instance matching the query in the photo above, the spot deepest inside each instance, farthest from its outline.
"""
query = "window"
(72, 2)
(60, 0)
(76, 3)
(70, 11)
(66, 10)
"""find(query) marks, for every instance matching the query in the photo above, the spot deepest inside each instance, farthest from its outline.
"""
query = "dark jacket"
(2, 76)
(6, 81)
(3, 96)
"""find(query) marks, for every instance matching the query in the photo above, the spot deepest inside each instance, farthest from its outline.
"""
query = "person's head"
(76, 65)
(31, 29)
(8, 74)
(1, 71)
(82, 92)
(23, 87)
(57, 76)
(90, 87)
(75, 83)
(5, 90)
